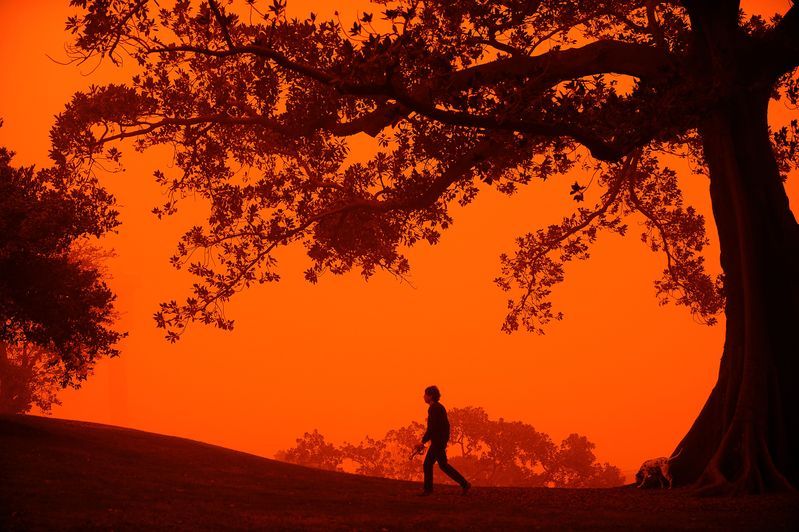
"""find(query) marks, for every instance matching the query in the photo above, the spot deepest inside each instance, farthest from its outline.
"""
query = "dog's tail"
(674, 456)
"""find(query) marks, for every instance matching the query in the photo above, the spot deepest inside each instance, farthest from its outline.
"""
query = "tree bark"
(746, 436)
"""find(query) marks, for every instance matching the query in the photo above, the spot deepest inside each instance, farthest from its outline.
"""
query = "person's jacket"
(437, 425)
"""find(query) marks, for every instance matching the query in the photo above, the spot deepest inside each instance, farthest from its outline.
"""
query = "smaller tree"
(28, 378)
(370, 457)
(467, 426)
(499, 452)
(313, 451)
(397, 444)
(575, 466)
(56, 310)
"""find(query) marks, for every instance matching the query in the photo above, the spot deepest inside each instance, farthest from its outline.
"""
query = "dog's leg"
(661, 480)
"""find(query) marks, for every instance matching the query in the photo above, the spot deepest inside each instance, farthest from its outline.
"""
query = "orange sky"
(350, 357)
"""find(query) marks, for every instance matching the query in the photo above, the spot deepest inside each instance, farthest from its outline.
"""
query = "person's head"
(431, 394)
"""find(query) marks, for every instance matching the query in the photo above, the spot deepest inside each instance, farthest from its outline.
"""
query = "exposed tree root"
(742, 465)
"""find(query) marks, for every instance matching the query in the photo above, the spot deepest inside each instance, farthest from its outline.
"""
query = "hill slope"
(59, 474)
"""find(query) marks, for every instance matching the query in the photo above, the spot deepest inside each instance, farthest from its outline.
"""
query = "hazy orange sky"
(349, 357)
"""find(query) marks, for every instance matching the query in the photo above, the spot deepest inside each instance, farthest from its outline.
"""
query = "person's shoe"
(465, 488)
(424, 493)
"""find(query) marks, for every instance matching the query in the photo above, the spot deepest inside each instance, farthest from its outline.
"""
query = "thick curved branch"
(553, 67)
(543, 71)
(782, 53)
(699, 9)
(546, 70)
(600, 148)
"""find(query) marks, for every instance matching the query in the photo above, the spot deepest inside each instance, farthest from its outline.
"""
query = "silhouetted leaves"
(577, 191)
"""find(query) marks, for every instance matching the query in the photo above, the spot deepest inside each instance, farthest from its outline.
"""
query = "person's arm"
(430, 424)
(434, 423)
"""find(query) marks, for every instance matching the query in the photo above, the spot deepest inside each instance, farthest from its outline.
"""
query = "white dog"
(657, 469)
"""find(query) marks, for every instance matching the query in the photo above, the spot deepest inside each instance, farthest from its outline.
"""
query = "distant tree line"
(488, 452)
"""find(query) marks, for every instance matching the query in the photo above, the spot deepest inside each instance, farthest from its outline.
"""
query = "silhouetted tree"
(575, 466)
(488, 452)
(467, 426)
(513, 454)
(398, 442)
(386, 457)
(369, 456)
(27, 378)
(55, 308)
(498, 92)
(312, 450)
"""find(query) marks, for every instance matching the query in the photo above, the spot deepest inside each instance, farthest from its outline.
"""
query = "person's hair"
(433, 392)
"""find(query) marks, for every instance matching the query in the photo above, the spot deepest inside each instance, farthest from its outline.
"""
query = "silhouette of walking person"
(438, 434)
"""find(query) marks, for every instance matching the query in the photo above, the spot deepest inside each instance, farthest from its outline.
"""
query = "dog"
(656, 470)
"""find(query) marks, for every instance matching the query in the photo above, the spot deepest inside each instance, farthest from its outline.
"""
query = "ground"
(60, 474)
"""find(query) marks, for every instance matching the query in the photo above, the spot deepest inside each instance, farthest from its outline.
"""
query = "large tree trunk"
(746, 437)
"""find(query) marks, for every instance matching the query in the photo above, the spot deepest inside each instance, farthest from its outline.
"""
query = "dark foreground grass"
(58, 474)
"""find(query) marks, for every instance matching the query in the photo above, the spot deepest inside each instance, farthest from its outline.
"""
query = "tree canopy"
(57, 311)
(259, 108)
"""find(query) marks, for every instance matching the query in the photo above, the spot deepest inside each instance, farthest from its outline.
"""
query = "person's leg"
(429, 460)
(448, 469)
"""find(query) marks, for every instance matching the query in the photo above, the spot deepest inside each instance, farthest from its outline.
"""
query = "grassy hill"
(60, 474)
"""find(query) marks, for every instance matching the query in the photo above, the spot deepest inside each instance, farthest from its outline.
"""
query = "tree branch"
(629, 166)
(782, 42)
(342, 85)
(429, 196)
(553, 67)
(599, 148)
(370, 123)
(670, 259)
(701, 8)
(222, 23)
(544, 71)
